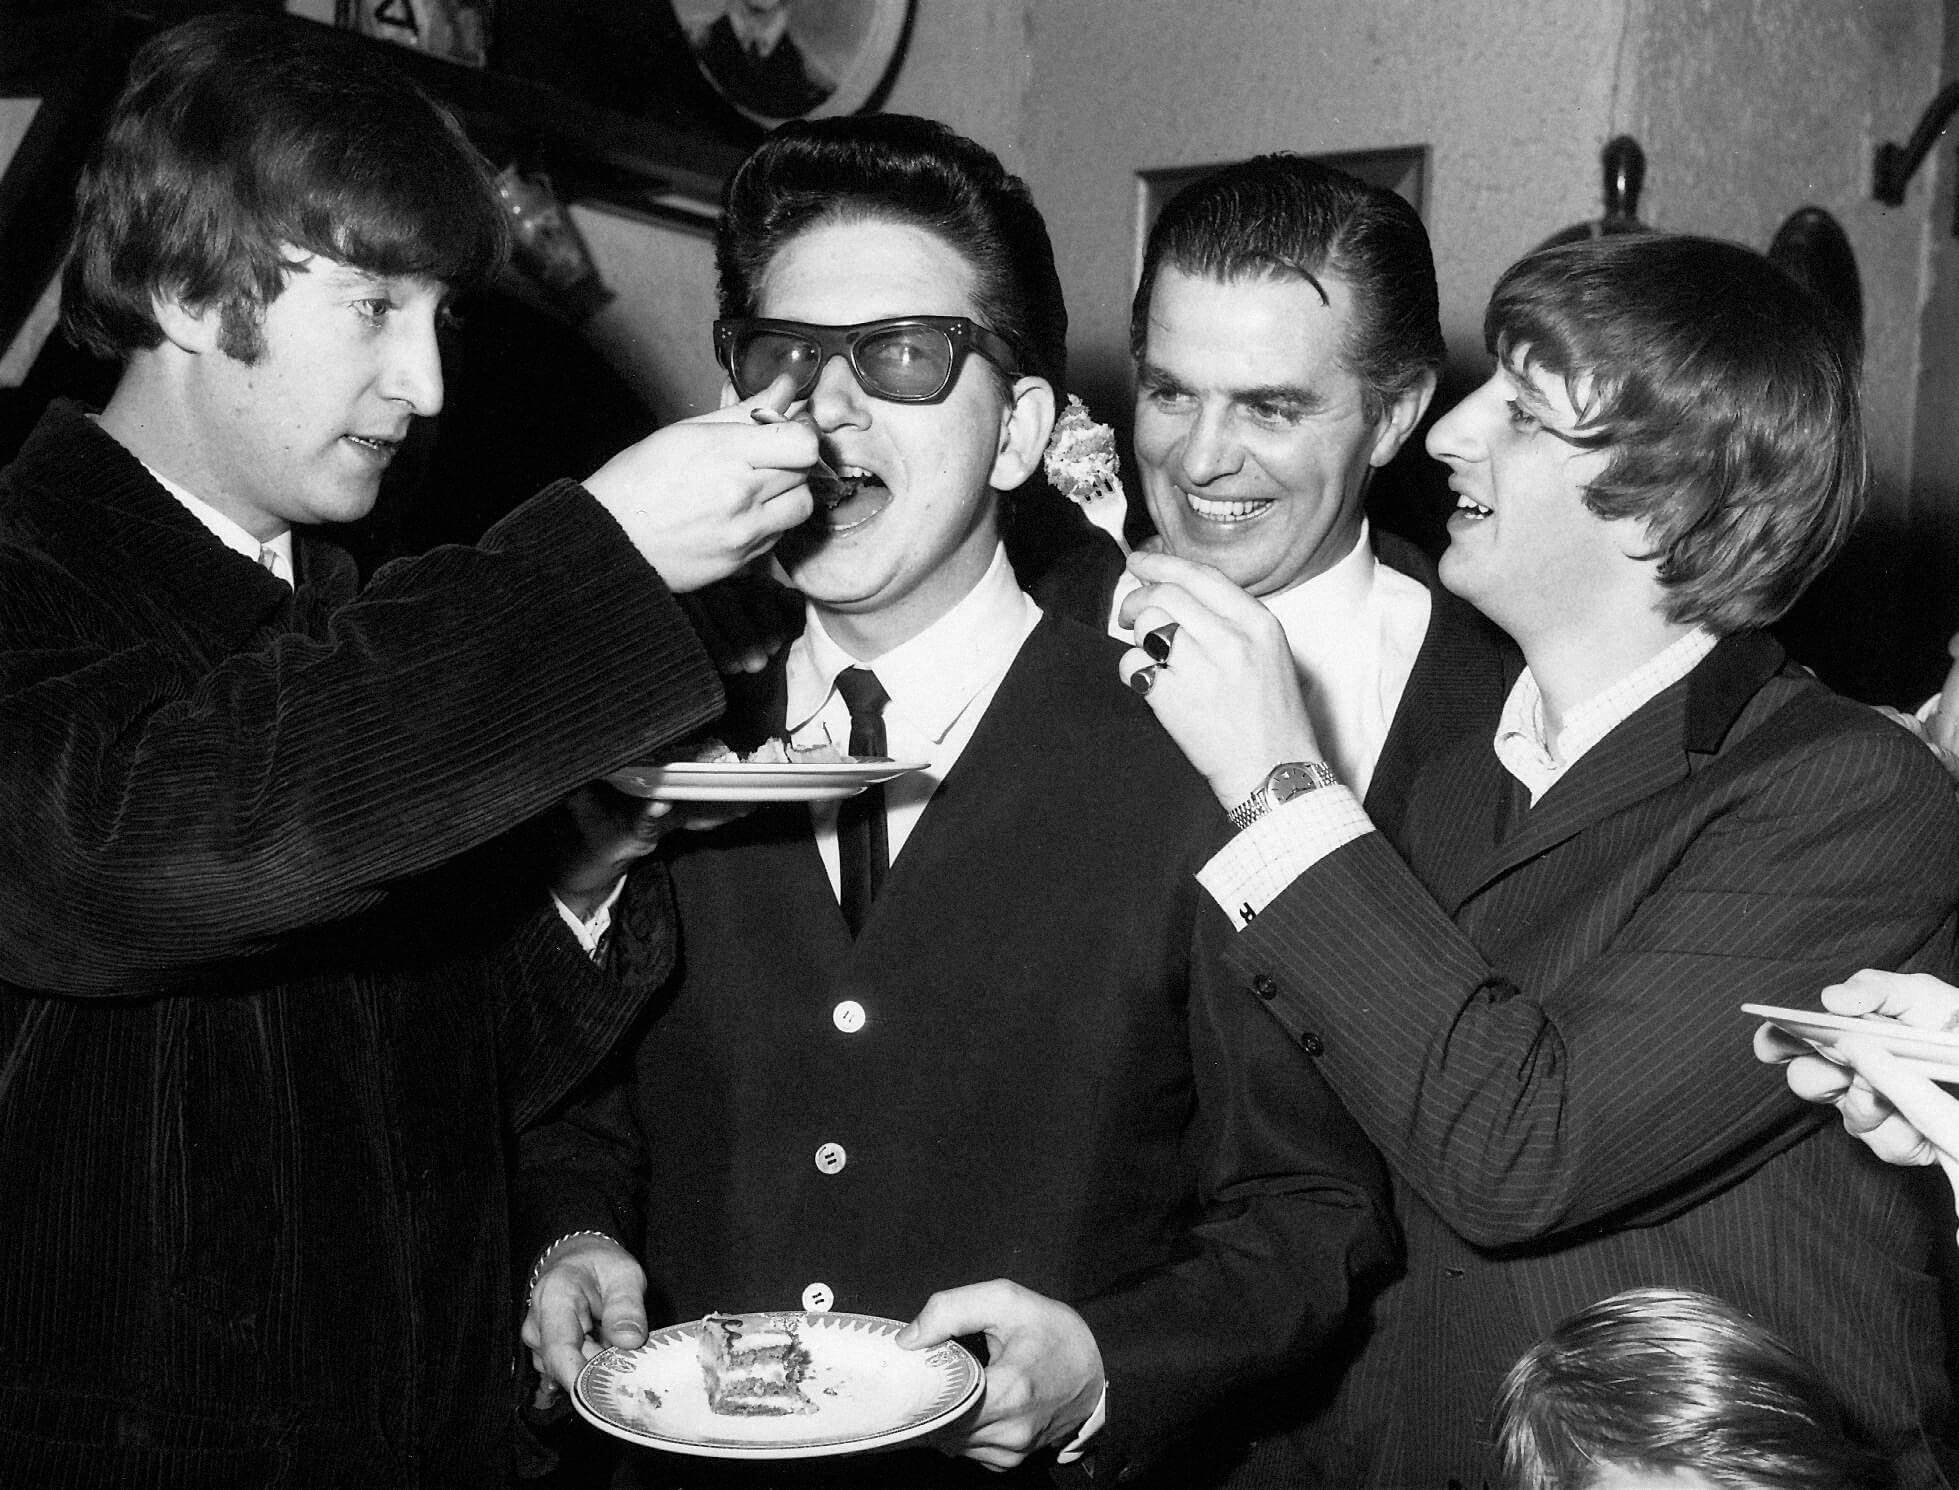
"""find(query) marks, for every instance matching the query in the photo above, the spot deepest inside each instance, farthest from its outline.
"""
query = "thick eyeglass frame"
(961, 335)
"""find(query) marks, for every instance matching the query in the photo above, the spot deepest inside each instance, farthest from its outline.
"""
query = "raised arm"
(1602, 1069)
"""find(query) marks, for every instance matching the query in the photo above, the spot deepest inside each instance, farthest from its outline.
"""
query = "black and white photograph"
(979, 745)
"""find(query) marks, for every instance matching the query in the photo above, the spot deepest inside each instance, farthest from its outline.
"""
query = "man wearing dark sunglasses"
(982, 1072)
(903, 359)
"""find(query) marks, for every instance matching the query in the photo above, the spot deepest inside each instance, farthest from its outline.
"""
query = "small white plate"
(868, 1392)
(703, 781)
(1933, 1053)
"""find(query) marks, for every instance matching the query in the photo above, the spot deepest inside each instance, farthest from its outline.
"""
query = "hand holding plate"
(601, 833)
(745, 619)
(1891, 1104)
(1900, 1113)
(1944, 723)
(1043, 1377)
(590, 1293)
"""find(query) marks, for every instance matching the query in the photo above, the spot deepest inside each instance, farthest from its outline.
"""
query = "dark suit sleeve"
(1616, 1083)
(582, 1167)
(1292, 1227)
(558, 1013)
(153, 819)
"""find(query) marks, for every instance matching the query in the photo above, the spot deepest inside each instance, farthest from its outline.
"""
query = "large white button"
(817, 1298)
(830, 1158)
(848, 1016)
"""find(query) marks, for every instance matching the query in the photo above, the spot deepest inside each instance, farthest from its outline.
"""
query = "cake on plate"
(755, 1366)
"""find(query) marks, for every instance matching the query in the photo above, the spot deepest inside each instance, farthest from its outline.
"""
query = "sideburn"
(241, 329)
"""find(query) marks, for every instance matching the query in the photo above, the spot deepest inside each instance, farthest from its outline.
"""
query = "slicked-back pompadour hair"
(240, 137)
(897, 168)
(1284, 215)
(1724, 396)
(1658, 1380)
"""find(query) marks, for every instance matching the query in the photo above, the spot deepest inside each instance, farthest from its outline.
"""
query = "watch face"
(1289, 780)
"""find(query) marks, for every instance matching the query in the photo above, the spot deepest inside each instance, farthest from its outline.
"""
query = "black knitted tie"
(863, 849)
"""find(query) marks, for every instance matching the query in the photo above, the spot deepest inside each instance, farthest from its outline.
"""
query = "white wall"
(1746, 109)
(1514, 101)
(1750, 109)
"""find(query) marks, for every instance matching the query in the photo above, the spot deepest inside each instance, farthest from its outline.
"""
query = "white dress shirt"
(1248, 873)
(939, 684)
(1354, 632)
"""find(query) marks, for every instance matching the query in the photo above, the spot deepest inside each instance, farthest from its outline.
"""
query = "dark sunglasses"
(907, 359)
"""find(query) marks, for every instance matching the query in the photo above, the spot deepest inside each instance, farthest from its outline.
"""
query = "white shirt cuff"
(1079, 1445)
(591, 931)
(1249, 872)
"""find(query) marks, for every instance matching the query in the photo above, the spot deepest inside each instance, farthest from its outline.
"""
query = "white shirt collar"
(1335, 595)
(230, 533)
(934, 676)
(1520, 736)
(1355, 631)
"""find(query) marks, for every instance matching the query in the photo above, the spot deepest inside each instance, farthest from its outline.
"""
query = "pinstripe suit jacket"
(256, 1056)
(1535, 1017)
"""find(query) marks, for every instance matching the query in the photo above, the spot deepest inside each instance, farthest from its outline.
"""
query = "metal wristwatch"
(1283, 784)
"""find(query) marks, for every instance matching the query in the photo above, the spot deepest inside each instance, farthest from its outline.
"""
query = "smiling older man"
(1286, 344)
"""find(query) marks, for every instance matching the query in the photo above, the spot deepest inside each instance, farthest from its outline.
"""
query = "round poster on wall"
(773, 60)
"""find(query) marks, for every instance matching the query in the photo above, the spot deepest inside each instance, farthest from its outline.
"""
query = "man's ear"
(1635, 539)
(1025, 424)
(729, 398)
(1400, 420)
(191, 328)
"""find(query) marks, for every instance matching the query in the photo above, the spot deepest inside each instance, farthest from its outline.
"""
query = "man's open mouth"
(854, 496)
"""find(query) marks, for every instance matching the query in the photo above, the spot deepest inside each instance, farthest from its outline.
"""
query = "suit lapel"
(1463, 795)
(1645, 755)
(1639, 758)
(1457, 684)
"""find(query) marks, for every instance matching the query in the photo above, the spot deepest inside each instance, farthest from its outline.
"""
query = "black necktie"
(863, 851)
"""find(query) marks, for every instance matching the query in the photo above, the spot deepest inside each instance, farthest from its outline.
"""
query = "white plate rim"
(1935, 1052)
(756, 781)
(960, 1360)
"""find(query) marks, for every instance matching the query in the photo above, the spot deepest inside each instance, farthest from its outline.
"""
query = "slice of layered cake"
(754, 1367)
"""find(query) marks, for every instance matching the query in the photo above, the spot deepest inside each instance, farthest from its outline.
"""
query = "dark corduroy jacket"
(269, 1002)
